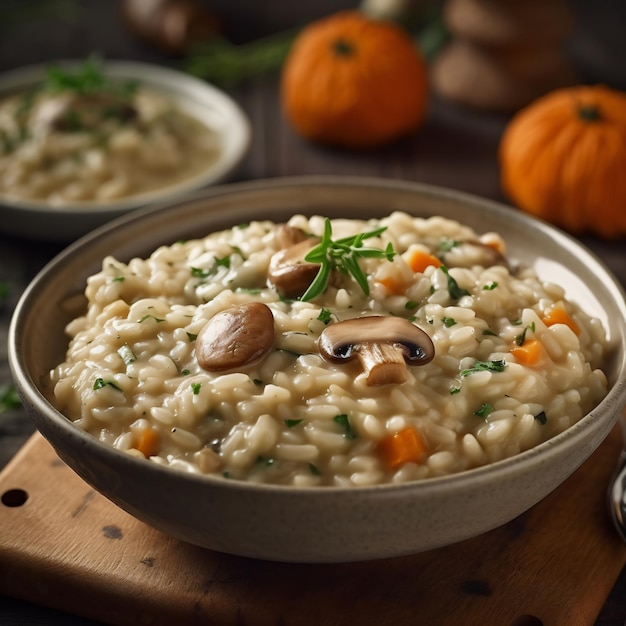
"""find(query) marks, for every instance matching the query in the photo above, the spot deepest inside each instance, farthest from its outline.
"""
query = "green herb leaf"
(291, 423)
(490, 286)
(325, 316)
(481, 366)
(314, 469)
(448, 321)
(195, 387)
(484, 410)
(343, 254)
(343, 421)
(100, 383)
(148, 316)
(456, 292)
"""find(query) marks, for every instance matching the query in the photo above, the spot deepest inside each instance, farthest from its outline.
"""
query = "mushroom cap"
(236, 337)
(342, 341)
(289, 272)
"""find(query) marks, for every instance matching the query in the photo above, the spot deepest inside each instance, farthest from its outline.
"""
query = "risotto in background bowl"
(83, 142)
(323, 369)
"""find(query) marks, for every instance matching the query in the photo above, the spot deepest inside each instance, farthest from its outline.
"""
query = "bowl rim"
(163, 79)
(609, 409)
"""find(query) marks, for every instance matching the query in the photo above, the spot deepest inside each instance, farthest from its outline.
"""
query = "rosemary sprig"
(343, 254)
(223, 63)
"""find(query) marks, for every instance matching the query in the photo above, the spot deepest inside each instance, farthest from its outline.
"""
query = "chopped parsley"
(542, 418)
(456, 292)
(325, 316)
(521, 338)
(490, 286)
(290, 423)
(148, 316)
(445, 245)
(484, 410)
(482, 366)
(100, 383)
(448, 321)
(192, 336)
(343, 421)
(314, 470)
(195, 387)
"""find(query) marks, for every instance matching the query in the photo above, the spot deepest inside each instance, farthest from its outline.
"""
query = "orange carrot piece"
(405, 446)
(558, 315)
(529, 353)
(420, 260)
(393, 285)
(147, 441)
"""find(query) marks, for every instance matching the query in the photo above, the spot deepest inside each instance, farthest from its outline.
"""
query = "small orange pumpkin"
(354, 82)
(563, 159)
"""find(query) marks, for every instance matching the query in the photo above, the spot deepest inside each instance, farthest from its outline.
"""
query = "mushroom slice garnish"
(384, 346)
(289, 272)
(236, 337)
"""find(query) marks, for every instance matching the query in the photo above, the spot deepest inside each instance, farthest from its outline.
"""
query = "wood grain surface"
(66, 547)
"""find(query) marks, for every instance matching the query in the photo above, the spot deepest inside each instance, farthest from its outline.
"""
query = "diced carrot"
(558, 315)
(405, 446)
(393, 285)
(420, 260)
(147, 441)
(529, 353)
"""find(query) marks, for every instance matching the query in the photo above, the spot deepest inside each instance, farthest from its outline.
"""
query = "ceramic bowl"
(36, 219)
(314, 524)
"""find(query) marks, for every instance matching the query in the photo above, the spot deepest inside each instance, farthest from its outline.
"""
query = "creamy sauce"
(65, 148)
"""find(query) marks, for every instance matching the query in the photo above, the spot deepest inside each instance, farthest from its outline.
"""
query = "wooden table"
(457, 149)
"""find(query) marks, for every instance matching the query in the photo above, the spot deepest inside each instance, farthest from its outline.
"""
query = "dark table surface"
(456, 149)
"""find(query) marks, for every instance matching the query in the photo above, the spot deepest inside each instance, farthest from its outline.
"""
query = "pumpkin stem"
(589, 113)
(342, 48)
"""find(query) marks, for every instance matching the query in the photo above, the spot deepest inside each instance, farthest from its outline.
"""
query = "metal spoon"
(617, 491)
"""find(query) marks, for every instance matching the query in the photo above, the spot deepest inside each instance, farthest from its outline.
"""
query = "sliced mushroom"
(473, 252)
(384, 346)
(286, 235)
(289, 272)
(236, 337)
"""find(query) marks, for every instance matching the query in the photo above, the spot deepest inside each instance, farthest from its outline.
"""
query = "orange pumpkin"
(563, 159)
(354, 82)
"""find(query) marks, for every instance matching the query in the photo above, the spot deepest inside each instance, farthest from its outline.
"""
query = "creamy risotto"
(81, 138)
(329, 352)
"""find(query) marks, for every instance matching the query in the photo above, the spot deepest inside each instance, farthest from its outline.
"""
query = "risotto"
(329, 352)
(80, 138)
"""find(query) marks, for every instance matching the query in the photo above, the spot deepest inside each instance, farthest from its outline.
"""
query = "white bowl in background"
(39, 220)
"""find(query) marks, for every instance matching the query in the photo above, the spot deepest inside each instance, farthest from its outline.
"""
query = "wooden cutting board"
(68, 548)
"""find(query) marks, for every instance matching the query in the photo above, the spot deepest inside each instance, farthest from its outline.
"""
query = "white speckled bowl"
(205, 102)
(315, 524)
